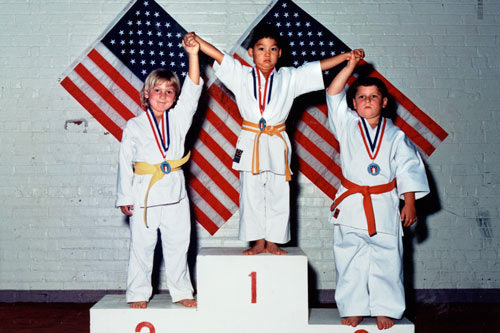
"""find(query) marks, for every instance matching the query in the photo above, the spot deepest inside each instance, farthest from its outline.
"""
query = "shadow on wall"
(418, 233)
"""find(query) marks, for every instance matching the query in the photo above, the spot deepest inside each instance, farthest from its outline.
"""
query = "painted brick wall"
(58, 227)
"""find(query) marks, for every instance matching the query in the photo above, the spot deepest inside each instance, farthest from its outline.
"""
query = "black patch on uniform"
(336, 213)
(237, 155)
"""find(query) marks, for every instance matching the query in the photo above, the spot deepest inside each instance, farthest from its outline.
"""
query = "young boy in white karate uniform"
(379, 165)
(151, 185)
(265, 96)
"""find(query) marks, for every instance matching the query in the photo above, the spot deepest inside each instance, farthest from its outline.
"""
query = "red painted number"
(253, 275)
(140, 326)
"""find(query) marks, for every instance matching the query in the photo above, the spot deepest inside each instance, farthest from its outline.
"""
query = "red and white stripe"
(104, 86)
(318, 150)
(215, 185)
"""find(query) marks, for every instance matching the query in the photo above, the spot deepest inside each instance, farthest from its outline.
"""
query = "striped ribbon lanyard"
(262, 99)
(161, 133)
(372, 147)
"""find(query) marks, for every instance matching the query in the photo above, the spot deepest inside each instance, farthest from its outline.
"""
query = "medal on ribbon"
(162, 137)
(373, 169)
(262, 124)
(268, 87)
(372, 147)
(165, 167)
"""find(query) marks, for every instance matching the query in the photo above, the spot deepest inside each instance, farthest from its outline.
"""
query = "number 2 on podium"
(253, 275)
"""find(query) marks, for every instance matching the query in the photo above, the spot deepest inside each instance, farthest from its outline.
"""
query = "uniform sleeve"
(308, 78)
(410, 172)
(187, 103)
(337, 111)
(124, 195)
(230, 72)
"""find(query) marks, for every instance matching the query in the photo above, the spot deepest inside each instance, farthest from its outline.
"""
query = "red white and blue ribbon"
(267, 92)
(161, 132)
(372, 147)
(267, 89)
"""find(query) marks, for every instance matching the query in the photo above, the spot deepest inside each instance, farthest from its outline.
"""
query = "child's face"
(265, 54)
(368, 102)
(161, 96)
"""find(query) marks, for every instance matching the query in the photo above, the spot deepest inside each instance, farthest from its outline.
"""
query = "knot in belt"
(366, 191)
(269, 130)
(144, 168)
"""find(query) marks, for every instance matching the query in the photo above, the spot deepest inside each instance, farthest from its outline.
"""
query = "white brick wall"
(58, 227)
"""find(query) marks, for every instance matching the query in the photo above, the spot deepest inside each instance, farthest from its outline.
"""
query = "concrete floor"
(74, 317)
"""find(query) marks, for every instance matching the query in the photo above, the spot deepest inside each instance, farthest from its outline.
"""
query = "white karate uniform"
(264, 199)
(168, 204)
(369, 269)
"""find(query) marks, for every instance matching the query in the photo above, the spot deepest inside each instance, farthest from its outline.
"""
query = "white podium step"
(112, 314)
(236, 293)
(328, 320)
(256, 288)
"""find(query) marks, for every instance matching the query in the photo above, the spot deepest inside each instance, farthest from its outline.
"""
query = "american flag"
(317, 150)
(107, 78)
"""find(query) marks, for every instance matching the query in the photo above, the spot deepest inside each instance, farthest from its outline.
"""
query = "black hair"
(264, 30)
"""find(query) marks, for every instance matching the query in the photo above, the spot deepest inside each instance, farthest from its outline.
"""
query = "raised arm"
(331, 62)
(340, 80)
(192, 47)
(207, 48)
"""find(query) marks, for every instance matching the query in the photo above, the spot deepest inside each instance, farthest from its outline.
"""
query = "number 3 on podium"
(253, 276)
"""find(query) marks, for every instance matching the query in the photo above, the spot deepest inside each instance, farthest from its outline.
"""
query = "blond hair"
(155, 77)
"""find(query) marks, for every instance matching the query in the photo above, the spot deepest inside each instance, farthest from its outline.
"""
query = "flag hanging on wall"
(316, 149)
(107, 79)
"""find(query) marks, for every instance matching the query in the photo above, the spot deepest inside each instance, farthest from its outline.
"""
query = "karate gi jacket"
(398, 158)
(287, 84)
(139, 145)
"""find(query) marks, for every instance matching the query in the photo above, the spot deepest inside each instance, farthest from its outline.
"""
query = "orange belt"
(366, 191)
(269, 130)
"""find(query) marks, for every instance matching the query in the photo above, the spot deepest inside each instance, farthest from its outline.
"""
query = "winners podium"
(236, 294)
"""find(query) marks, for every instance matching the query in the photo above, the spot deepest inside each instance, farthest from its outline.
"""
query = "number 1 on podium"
(253, 276)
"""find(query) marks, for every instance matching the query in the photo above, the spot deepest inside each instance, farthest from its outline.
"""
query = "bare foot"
(139, 305)
(274, 249)
(384, 323)
(259, 247)
(352, 321)
(188, 303)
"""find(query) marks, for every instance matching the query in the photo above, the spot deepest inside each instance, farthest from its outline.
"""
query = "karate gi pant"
(175, 226)
(369, 273)
(264, 207)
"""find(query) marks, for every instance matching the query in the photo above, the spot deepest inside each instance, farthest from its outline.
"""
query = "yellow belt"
(269, 130)
(144, 168)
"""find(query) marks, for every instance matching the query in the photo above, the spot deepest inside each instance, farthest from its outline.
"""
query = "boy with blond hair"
(151, 185)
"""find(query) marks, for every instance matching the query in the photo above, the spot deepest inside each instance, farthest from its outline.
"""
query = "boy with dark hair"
(265, 96)
(379, 166)
(265, 31)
